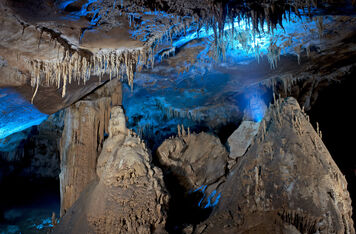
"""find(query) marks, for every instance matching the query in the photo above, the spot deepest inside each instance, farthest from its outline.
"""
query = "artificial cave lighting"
(177, 116)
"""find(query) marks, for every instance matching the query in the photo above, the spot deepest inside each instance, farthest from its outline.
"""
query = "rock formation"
(129, 195)
(34, 152)
(85, 125)
(211, 65)
(286, 182)
(242, 138)
(196, 159)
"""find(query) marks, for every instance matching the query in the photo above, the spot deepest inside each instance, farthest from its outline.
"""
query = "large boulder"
(129, 195)
(242, 138)
(196, 159)
(287, 182)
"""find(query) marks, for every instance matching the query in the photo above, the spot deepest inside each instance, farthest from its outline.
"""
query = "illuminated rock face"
(286, 182)
(17, 114)
(33, 153)
(129, 195)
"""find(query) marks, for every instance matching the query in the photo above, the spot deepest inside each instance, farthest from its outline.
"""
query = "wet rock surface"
(129, 195)
(286, 182)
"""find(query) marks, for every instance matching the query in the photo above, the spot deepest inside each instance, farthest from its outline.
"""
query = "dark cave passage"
(183, 207)
(29, 181)
(333, 111)
(27, 205)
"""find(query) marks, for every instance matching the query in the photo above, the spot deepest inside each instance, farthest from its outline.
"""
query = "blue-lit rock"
(208, 200)
(17, 114)
(191, 88)
(11, 142)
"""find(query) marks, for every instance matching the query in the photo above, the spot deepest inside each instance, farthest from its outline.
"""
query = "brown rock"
(287, 182)
(197, 159)
(242, 138)
(129, 196)
(85, 125)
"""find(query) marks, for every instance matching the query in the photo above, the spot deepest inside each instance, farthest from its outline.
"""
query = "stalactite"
(78, 67)
(273, 55)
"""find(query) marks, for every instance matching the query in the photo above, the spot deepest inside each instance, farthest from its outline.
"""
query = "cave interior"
(177, 116)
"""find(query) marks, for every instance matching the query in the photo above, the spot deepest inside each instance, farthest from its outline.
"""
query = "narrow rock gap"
(183, 208)
(184, 211)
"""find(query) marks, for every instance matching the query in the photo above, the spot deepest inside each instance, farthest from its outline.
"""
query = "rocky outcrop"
(47, 45)
(287, 182)
(85, 126)
(129, 196)
(242, 138)
(196, 159)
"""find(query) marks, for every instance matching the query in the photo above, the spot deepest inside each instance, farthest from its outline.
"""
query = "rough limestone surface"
(129, 196)
(242, 138)
(34, 152)
(287, 182)
(85, 125)
(196, 159)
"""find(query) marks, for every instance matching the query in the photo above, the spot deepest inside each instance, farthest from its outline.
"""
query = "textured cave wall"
(85, 128)
(287, 182)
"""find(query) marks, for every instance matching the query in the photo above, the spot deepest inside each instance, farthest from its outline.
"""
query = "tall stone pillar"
(85, 127)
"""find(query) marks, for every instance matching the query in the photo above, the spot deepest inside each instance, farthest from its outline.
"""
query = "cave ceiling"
(183, 58)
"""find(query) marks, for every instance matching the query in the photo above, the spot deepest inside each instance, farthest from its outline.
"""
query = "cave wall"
(34, 152)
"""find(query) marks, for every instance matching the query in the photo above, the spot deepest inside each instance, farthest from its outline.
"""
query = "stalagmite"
(183, 131)
(179, 130)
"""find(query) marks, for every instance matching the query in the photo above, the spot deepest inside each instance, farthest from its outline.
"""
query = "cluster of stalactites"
(77, 68)
(270, 12)
(114, 63)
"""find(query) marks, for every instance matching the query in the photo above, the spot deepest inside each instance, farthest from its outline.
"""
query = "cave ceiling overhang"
(56, 52)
